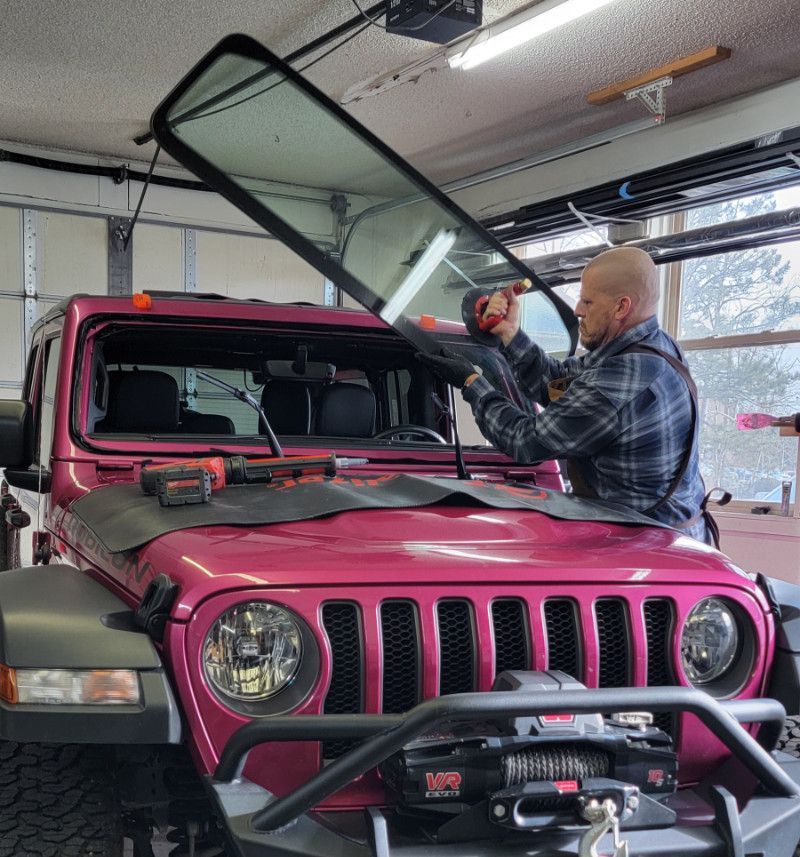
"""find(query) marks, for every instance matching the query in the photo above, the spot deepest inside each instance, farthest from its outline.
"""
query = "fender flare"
(57, 617)
(784, 682)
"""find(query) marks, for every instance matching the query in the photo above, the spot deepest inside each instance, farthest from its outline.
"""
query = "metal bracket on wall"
(190, 286)
(653, 96)
(30, 255)
(120, 256)
(329, 293)
(190, 260)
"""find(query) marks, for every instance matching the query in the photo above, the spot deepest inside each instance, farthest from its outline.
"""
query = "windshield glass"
(297, 164)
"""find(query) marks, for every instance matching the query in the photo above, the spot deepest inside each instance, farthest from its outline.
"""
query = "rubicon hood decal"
(122, 518)
(295, 162)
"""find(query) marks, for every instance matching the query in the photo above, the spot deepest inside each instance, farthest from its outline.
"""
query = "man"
(622, 414)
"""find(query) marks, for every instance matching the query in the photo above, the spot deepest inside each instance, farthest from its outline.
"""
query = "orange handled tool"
(179, 483)
(486, 324)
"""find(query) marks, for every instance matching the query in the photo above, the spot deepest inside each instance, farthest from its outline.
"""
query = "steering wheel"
(407, 429)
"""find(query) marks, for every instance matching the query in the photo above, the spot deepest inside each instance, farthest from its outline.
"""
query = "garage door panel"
(241, 266)
(157, 258)
(74, 253)
(10, 250)
(12, 336)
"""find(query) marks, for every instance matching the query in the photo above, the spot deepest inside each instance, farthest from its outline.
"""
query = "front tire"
(789, 741)
(58, 801)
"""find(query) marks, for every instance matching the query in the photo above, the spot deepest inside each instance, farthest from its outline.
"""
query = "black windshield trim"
(251, 49)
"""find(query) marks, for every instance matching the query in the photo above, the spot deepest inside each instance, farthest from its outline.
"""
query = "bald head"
(626, 272)
(619, 289)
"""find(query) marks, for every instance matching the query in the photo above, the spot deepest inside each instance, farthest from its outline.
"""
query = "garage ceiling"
(85, 76)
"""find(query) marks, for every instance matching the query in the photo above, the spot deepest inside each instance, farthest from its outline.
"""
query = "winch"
(538, 771)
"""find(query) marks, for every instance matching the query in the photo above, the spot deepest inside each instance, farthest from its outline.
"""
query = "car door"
(31, 487)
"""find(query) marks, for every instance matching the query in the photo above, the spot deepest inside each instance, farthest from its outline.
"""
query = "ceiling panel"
(85, 76)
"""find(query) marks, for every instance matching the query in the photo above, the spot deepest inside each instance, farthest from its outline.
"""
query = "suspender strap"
(582, 489)
(683, 370)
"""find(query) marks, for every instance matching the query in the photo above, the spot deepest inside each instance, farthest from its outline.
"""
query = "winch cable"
(558, 762)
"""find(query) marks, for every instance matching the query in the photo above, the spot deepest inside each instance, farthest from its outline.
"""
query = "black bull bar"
(389, 733)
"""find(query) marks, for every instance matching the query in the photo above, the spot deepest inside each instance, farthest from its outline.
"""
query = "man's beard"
(590, 343)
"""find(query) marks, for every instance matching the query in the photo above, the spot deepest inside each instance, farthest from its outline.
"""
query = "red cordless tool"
(473, 306)
(179, 483)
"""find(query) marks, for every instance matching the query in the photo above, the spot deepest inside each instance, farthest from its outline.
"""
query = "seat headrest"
(195, 422)
(142, 401)
(287, 405)
(346, 410)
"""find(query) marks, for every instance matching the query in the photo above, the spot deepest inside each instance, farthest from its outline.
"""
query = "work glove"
(452, 368)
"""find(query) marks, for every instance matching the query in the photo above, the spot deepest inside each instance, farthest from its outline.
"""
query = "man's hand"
(506, 305)
(452, 368)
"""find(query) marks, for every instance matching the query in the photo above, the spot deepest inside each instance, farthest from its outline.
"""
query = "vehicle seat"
(141, 401)
(287, 405)
(194, 422)
(346, 410)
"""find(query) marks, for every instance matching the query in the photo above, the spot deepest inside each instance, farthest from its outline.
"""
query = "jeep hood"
(296, 163)
(431, 546)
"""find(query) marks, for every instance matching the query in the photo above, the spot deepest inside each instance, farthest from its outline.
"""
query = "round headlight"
(709, 641)
(252, 651)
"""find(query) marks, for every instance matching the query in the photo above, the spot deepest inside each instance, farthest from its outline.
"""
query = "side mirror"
(16, 434)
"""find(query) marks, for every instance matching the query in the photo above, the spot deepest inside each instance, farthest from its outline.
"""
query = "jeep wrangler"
(257, 594)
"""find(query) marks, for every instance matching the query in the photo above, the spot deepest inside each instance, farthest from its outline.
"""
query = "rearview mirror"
(16, 434)
(311, 371)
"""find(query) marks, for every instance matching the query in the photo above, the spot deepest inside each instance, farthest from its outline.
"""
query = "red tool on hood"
(179, 483)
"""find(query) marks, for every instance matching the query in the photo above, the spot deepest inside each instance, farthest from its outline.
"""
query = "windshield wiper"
(461, 467)
(244, 396)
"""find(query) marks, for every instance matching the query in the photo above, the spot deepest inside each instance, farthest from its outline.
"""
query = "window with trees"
(737, 317)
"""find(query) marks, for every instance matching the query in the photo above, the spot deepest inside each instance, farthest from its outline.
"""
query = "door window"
(52, 353)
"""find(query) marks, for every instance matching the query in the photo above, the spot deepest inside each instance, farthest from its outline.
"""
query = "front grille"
(613, 643)
(345, 694)
(563, 646)
(511, 650)
(467, 642)
(456, 648)
(659, 621)
(400, 638)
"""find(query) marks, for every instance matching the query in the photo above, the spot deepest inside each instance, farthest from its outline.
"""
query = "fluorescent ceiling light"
(518, 29)
(419, 274)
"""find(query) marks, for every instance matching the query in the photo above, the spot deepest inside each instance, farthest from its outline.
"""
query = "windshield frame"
(94, 328)
(250, 49)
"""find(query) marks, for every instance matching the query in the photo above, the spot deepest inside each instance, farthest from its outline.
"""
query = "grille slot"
(563, 647)
(613, 641)
(400, 637)
(345, 694)
(456, 647)
(659, 621)
(511, 649)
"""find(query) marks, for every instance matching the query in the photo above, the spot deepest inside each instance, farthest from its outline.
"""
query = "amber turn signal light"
(8, 684)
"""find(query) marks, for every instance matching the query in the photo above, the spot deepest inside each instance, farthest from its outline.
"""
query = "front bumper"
(750, 805)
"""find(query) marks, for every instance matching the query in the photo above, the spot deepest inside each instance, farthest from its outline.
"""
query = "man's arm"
(534, 369)
(579, 424)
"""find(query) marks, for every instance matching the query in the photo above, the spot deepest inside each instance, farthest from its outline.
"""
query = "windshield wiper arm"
(244, 396)
(461, 467)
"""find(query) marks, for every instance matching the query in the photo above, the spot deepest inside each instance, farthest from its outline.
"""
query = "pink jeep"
(256, 539)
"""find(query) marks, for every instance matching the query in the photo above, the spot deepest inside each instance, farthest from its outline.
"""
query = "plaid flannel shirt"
(625, 421)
